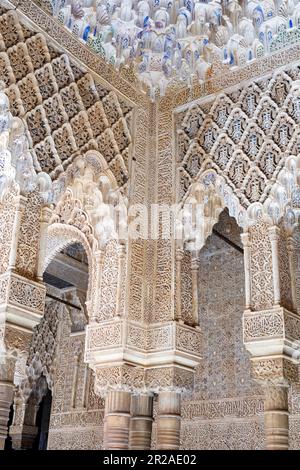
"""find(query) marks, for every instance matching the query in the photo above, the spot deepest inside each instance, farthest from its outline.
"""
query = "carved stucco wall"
(76, 423)
(225, 411)
(57, 352)
(244, 133)
(226, 408)
(77, 413)
(294, 402)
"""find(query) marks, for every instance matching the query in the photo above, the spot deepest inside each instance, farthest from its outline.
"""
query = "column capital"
(46, 214)
(274, 371)
(7, 366)
(245, 237)
(195, 262)
(274, 232)
(141, 357)
(273, 338)
(22, 300)
(179, 254)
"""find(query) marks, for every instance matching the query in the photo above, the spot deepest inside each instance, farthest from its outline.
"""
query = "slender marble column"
(291, 254)
(45, 218)
(141, 422)
(117, 420)
(16, 233)
(246, 245)
(6, 399)
(179, 258)
(121, 265)
(195, 287)
(274, 236)
(169, 418)
(25, 438)
(276, 418)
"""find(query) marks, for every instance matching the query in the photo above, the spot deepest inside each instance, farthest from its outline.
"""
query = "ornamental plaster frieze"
(273, 323)
(145, 346)
(135, 357)
(216, 409)
(86, 418)
(22, 300)
(274, 370)
(272, 331)
(84, 439)
(239, 434)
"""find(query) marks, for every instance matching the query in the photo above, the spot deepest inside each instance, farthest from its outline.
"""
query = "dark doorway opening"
(42, 422)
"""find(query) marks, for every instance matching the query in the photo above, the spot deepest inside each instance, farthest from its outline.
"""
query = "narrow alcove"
(228, 401)
(43, 422)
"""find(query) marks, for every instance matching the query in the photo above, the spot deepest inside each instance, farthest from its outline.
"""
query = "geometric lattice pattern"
(65, 111)
(245, 135)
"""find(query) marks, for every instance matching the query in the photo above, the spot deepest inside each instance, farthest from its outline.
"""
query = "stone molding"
(124, 353)
(22, 300)
(273, 331)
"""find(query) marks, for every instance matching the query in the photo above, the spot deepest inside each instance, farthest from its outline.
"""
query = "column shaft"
(179, 258)
(141, 422)
(274, 235)
(6, 399)
(117, 420)
(246, 245)
(291, 254)
(195, 288)
(25, 438)
(276, 418)
(169, 417)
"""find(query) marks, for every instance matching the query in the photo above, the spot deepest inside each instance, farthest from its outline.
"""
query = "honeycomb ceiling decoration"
(167, 40)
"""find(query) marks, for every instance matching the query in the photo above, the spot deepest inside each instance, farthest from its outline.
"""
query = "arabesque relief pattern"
(225, 410)
(74, 401)
(99, 146)
(65, 111)
(245, 134)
